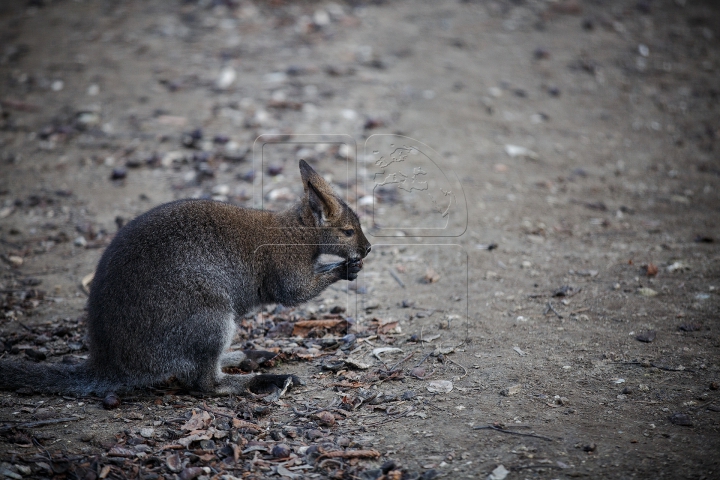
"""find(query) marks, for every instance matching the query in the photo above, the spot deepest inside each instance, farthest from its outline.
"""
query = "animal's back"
(166, 288)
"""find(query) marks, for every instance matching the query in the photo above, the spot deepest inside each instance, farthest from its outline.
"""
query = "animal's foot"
(264, 384)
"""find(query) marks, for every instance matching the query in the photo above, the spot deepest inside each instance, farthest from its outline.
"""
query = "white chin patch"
(329, 258)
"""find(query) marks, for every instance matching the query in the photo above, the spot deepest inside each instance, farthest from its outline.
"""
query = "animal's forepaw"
(264, 384)
(350, 268)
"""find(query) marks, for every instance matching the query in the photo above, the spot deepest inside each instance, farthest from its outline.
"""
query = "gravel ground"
(545, 259)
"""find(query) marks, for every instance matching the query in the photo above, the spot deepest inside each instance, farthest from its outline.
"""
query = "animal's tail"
(51, 378)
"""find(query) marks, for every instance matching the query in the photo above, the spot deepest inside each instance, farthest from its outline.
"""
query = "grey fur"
(169, 286)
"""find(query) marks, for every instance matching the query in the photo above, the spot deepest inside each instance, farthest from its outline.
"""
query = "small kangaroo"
(168, 288)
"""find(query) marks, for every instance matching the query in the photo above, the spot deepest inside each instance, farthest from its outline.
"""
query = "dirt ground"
(570, 295)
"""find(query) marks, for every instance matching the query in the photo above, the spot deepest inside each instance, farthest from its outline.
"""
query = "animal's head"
(339, 227)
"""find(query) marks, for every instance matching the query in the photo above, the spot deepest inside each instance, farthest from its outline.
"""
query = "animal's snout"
(367, 250)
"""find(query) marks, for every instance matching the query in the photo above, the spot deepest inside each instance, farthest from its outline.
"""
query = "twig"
(659, 367)
(351, 454)
(208, 409)
(549, 308)
(668, 369)
(307, 413)
(423, 360)
(390, 418)
(498, 429)
(456, 363)
(397, 279)
(402, 361)
(39, 423)
(521, 467)
(702, 405)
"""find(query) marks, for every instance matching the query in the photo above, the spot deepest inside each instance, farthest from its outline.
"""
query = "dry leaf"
(652, 270)
(440, 386)
(173, 462)
(199, 421)
(245, 426)
(377, 351)
(304, 327)
(431, 276)
(389, 327)
(87, 282)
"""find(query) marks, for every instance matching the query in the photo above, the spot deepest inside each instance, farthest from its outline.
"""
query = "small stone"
(681, 419)
(647, 292)
(147, 432)
(512, 390)
(646, 337)
(80, 241)
(275, 170)
(15, 260)
(591, 447)
(313, 434)
(690, 327)
(207, 444)
(7, 473)
(111, 401)
(627, 390)
(118, 173)
(24, 469)
(226, 78)
(281, 451)
(499, 473)
(409, 395)
(714, 386)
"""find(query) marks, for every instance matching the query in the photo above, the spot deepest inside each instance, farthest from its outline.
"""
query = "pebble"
(226, 78)
(499, 473)
(681, 419)
(512, 390)
(111, 401)
(147, 432)
(646, 337)
(647, 292)
(281, 451)
(515, 151)
(118, 173)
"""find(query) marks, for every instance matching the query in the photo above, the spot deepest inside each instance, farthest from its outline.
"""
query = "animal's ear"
(321, 198)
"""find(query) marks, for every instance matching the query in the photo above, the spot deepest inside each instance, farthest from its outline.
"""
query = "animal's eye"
(349, 232)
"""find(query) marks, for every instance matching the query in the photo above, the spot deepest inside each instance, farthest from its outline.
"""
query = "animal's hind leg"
(205, 356)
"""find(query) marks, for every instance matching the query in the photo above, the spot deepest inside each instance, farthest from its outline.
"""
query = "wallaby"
(168, 288)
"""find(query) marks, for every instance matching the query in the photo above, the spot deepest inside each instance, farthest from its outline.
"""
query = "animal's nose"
(367, 250)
